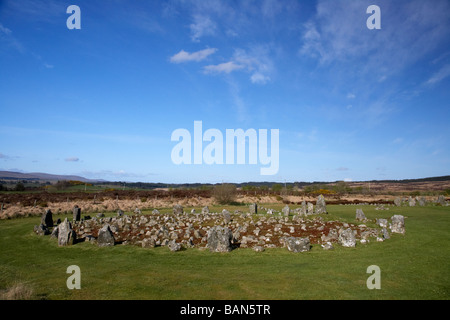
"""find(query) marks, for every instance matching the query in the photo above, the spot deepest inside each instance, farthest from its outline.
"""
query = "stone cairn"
(295, 229)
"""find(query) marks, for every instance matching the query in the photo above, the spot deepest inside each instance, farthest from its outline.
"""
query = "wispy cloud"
(397, 140)
(202, 26)
(3, 156)
(259, 78)
(106, 137)
(33, 10)
(225, 67)
(7, 37)
(440, 75)
(197, 56)
(238, 102)
(255, 61)
(72, 159)
(338, 33)
(4, 30)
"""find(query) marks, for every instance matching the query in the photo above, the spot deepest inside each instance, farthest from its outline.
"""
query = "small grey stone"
(297, 244)
(174, 246)
(347, 238)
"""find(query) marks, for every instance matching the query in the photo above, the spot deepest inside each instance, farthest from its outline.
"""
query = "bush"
(19, 187)
(62, 185)
(225, 193)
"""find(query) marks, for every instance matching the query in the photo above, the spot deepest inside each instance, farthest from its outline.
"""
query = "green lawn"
(413, 266)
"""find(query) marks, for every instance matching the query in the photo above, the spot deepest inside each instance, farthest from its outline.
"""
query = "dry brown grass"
(18, 291)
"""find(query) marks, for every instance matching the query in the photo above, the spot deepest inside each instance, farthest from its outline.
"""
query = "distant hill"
(38, 176)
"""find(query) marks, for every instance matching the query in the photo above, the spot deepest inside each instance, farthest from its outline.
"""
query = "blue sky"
(102, 102)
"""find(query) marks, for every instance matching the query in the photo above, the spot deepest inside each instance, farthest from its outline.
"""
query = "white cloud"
(226, 67)
(257, 61)
(72, 159)
(259, 78)
(443, 73)
(202, 26)
(197, 56)
(351, 96)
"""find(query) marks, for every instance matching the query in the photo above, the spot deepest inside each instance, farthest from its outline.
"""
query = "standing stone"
(385, 234)
(55, 233)
(411, 201)
(76, 213)
(303, 209)
(441, 200)
(297, 244)
(286, 211)
(219, 239)
(398, 224)
(47, 219)
(105, 237)
(310, 209)
(398, 202)
(253, 208)
(347, 238)
(422, 201)
(205, 210)
(360, 215)
(226, 216)
(66, 236)
(321, 206)
(178, 209)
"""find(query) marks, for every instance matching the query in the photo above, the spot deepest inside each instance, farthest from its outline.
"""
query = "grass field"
(413, 266)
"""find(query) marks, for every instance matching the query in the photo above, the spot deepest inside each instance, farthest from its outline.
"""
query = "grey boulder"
(219, 239)
(297, 244)
(105, 237)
